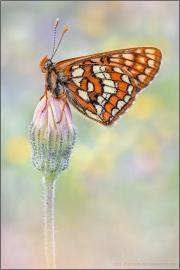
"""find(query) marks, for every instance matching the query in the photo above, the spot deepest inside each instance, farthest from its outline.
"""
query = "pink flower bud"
(52, 141)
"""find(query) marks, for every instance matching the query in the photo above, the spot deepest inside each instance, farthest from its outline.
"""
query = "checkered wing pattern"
(103, 86)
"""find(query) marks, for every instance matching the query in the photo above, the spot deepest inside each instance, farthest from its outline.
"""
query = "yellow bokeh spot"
(143, 108)
(18, 150)
(96, 26)
(84, 155)
(149, 143)
(92, 160)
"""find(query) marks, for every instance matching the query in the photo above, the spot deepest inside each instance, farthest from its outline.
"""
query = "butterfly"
(104, 85)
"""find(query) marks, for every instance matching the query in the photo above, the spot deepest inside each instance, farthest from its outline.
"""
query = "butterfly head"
(45, 64)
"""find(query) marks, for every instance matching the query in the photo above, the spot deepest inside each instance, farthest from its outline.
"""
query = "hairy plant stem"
(49, 241)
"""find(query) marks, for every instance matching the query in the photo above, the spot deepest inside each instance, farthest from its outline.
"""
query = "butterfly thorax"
(54, 78)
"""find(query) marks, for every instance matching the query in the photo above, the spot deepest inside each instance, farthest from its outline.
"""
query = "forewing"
(142, 64)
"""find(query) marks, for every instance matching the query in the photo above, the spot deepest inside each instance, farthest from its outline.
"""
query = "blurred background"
(117, 204)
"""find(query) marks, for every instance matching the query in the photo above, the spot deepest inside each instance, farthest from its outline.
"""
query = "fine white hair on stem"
(49, 241)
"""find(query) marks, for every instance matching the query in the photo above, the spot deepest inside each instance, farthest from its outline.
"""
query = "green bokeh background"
(117, 205)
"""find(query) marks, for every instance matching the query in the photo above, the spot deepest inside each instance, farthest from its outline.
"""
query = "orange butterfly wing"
(103, 86)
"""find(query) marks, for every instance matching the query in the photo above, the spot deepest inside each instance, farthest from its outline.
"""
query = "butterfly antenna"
(55, 26)
(64, 31)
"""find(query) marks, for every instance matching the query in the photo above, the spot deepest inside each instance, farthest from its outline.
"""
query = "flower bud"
(52, 140)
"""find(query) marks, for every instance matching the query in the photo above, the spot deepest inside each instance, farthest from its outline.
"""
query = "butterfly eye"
(48, 64)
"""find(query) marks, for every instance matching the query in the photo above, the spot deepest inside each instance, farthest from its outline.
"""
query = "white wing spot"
(128, 63)
(92, 115)
(97, 68)
(148, 71)
(151, 63)
(108, 89)
(78, 72)
(127, 98)
(74, 67)
(107, 75)
(142, 78)
(118, 70)
(90, 87)
(103, 75)
(152, 51)
(142, 60)
(110, 119)
(125, 78)
(138, 51)
(130, 89)
(83, 95)
(109, 83)
(106, 96)
(115, 60)
(128, 56)
(151, 56)
(98, 108)
(77, 81)
(140, 67)
(101, 100)
(115, 55)
(120, 104)
(114, 111)
(97, 59)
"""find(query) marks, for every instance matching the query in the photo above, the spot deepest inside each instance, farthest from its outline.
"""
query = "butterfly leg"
(45, 94)
(63, 97)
